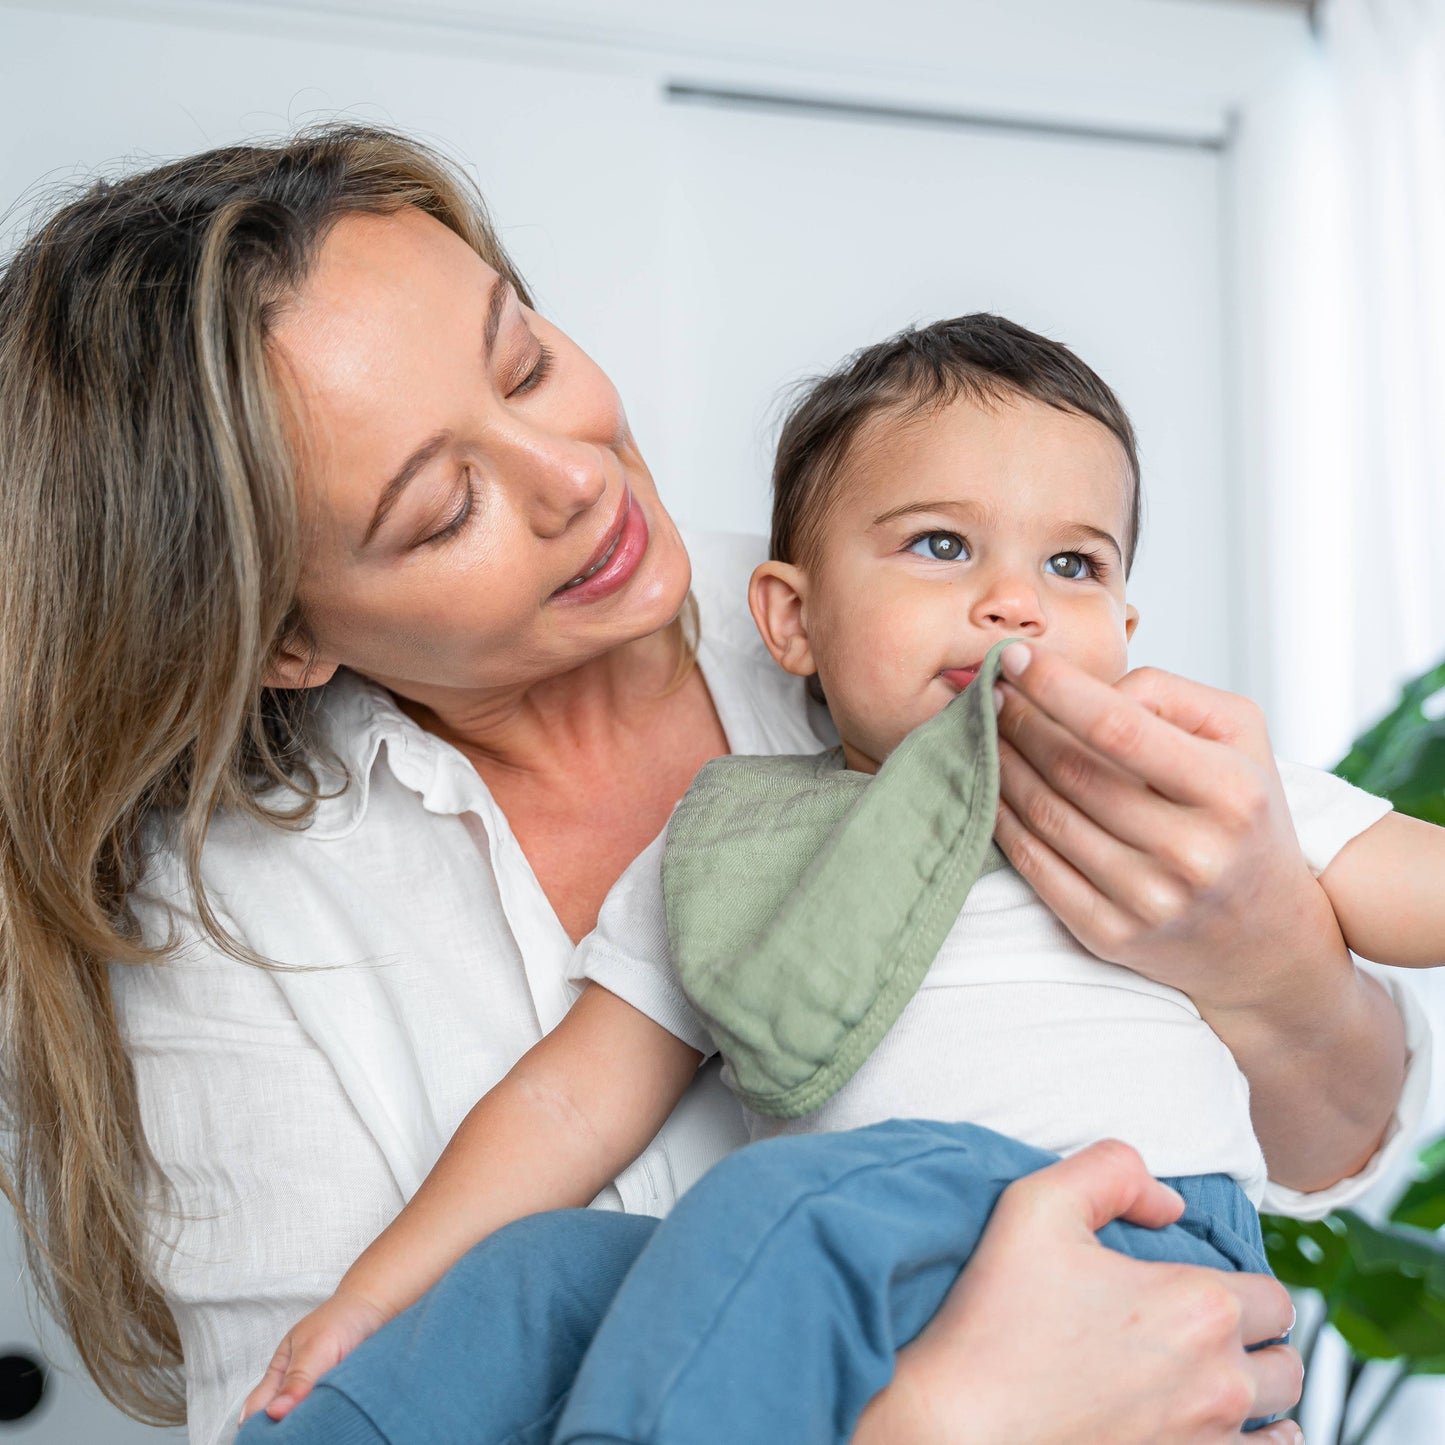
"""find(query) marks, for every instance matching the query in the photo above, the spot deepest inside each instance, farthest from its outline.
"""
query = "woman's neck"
(588, 766)
(550, 729)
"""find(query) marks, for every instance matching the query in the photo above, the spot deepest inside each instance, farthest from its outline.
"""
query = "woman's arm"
(1150, 817)
(558, 1128)
(1387, 888)
(1049, 1337)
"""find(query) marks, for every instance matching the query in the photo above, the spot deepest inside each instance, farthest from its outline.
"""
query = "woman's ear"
(295, 664)
(1131, 621)
(776, 595)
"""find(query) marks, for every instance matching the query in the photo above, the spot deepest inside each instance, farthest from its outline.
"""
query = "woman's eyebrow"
(496, 306)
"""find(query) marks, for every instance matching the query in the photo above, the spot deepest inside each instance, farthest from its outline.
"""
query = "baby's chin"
(878, 741)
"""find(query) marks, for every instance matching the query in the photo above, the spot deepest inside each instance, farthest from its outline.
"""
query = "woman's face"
(462, 463)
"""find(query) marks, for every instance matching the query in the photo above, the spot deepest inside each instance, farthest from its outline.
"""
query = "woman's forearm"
(1324, 1053)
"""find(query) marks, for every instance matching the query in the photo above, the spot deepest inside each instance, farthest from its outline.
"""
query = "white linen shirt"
(292, 1113)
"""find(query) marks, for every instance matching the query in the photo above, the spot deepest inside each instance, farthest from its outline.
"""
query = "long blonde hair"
(151, 560)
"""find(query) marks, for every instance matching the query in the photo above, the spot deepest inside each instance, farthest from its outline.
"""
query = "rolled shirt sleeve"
(1402, 1134)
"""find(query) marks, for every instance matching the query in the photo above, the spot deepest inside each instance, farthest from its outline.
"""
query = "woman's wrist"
(1325, 1060)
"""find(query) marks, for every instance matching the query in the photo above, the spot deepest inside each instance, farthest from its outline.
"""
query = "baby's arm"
(1387, 887)
(561, 1126)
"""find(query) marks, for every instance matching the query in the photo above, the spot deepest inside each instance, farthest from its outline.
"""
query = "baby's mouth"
(959, 677)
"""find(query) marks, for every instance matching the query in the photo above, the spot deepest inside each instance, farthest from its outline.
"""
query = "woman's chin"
(662, 582)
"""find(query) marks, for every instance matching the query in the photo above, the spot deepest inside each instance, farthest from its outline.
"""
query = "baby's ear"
(777, 596)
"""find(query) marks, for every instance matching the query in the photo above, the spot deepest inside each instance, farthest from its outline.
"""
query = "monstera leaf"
(1403, 756)
(1423, 1203)
(1383, 1285)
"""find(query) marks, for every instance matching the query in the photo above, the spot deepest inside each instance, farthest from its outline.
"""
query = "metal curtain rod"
(686, 93)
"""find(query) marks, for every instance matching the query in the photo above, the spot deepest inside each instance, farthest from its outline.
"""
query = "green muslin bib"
(805, 901)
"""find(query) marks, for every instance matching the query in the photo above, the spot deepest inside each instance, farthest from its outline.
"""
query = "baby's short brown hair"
(982, 357)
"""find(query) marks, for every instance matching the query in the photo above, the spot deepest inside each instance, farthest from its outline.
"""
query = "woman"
(345, 629)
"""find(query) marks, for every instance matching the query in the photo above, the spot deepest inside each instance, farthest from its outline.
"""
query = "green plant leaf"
(1432, 1157)
(1388, 1299)
(1402, 757)
(1423, 1203)
(1305, 1253)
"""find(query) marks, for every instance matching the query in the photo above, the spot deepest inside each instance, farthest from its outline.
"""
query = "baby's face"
(953, 530)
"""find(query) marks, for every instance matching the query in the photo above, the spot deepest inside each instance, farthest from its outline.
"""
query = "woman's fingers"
(1104, 1182)
(1194, 707)
(1266, 1311)
(1111, 723)
(1107, 850)
(1278, 1376)
(1089, 914)
(1042, 766)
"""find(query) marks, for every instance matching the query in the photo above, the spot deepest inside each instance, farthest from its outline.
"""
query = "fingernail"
(1293, 1319)
(997, 700)
(1015, 657)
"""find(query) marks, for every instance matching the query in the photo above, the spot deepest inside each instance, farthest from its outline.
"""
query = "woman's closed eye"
(536, 375)
(462, 514)
(939, 546)
(460, 517)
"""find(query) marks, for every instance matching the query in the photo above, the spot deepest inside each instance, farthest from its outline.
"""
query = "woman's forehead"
(380, 287)
(373, 340)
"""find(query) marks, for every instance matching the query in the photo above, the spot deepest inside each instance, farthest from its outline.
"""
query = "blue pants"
(767, 1307)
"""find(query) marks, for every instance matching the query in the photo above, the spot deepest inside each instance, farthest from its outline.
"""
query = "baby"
(880, 983)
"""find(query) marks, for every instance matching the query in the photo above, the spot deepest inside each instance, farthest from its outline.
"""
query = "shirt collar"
(357, 719)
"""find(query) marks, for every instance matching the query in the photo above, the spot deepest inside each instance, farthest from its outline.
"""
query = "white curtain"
(1349, 417)
(1341, 189)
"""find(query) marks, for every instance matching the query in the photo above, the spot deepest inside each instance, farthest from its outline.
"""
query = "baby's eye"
(941, 546)
(1072, 565)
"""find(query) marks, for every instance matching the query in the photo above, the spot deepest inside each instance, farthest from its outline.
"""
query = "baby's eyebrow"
(1099, 534)
(968, 509)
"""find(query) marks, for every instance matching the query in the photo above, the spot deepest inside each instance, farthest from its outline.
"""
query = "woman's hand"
(322, 1339)
(1150, 817)
(1051, 1338)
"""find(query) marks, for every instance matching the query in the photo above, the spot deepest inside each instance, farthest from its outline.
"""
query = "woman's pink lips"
(959, 677)
(631, 546)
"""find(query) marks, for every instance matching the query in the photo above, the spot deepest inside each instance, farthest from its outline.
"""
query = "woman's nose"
(560, 477)
(1009, 600)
